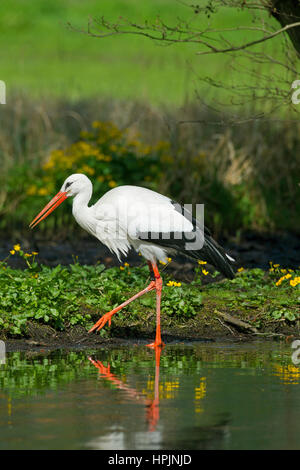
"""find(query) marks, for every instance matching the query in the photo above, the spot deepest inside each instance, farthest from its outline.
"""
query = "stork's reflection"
(152, 406)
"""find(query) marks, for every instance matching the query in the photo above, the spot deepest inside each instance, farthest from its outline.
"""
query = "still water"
(191, 396)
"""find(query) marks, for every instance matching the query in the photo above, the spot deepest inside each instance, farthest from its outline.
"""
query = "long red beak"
(53, 204)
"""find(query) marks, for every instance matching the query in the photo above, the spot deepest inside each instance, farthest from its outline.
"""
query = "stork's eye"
(67, 185)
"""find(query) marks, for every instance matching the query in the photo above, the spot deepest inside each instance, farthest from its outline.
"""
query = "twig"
(236, 322)
(251, 43)
(226, 326)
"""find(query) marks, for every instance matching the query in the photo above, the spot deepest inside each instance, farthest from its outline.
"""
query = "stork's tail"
(215, 255)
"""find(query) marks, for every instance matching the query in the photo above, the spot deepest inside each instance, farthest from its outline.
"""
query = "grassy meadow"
(42, 57)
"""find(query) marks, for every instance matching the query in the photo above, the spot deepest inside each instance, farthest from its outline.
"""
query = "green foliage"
(106, 154)
(62, 297)
(263, 298)
(283, 313)
(181, 302)
(240, 189)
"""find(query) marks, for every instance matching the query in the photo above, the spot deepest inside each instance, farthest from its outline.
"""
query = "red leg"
(158, 287)
(154, 284)
(107, 317)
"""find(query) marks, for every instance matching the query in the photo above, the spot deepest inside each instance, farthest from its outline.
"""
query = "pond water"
(191, 396)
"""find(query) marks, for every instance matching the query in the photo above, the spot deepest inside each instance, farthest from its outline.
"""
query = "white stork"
(153, 224)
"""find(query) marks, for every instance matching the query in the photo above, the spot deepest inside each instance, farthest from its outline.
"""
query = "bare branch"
(270, 73)
(251, 43)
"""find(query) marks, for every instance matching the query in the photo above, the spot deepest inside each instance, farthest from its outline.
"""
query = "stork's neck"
(80, 203)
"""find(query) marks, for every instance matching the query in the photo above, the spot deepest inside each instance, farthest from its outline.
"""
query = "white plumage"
(124, 213)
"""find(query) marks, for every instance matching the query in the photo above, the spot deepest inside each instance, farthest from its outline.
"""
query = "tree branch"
(165, 33)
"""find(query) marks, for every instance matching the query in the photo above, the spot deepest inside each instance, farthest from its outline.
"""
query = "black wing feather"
(211, 251)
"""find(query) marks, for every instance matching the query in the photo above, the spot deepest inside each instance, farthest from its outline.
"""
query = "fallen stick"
(236, 322)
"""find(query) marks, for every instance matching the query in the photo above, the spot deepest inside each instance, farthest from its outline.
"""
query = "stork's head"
(73, 185)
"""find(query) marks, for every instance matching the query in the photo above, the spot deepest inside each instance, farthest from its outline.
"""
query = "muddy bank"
(216, 328)
(42, 337)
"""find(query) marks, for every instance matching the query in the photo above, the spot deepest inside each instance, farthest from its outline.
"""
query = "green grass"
(63, 297)
(50, 60)
(254, 296)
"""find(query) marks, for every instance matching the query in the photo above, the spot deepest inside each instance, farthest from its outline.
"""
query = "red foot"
(156, 344)
(103, 320)
(103, 370)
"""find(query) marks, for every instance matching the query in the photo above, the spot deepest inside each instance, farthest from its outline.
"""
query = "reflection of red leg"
(106, 373)
(153, 408)
(102, 369)
(158, 287)
(107, 317)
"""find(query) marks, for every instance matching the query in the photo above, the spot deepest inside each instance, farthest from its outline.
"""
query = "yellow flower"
(100, 178)
(174, 284)
(34, 253)
(276, 265)
(240, 270)
(12, 252)
(112, 184)
(294, 282)
(122, 268)
(17, 247)
(205, 272)
(49, 164)
(202, 262)
(126, 264)
(168, 261)
(43, 192)
(87, 169)
(283, 278)
(96, 124)
(27, 255)
(86, 134)
(31, 190)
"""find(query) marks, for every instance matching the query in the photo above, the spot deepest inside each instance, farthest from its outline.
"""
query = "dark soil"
(253, 250)
(42, 337)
